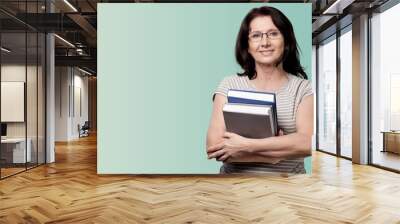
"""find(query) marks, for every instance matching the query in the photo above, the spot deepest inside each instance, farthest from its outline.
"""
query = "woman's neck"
(269, 78)
(270, 72)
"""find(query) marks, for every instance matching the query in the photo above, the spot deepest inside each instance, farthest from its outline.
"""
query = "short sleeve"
(222, 88)
(304, 89)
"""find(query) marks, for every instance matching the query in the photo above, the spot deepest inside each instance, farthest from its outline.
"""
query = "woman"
(266, 49)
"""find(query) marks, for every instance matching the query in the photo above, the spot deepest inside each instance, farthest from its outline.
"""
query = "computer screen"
(3, 129)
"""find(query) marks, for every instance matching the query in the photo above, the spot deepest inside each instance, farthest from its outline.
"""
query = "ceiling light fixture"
(5, 50)
(79, 51)
(84, 71)
(338, 6)
(70, 5)
(330, 8)
(64, 40)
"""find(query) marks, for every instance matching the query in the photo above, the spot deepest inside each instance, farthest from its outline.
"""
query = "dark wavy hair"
(290, 59)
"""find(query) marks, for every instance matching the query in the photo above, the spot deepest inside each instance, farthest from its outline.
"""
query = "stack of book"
(251, 114)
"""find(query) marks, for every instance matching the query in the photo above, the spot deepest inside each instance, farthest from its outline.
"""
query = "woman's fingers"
(216, 154)
(223, 158)
(215, 147)
(280, 132)
(228, 134)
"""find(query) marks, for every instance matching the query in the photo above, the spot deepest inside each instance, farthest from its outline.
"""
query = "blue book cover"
(248, 101)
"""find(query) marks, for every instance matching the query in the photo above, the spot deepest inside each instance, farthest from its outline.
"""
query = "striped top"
(288, 98)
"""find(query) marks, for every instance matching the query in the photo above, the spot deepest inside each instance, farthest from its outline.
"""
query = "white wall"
(15, 72)
(79, 112)
(62, 81)
(71, 93)
(10, 73)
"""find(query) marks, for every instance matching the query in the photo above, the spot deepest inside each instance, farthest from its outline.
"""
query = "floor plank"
(70, 191)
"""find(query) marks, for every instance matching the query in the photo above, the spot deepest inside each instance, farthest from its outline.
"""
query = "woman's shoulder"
(235, 81)
(232, 82)
(297, 78)
(298, 82)
(233, 78)
(300, 86)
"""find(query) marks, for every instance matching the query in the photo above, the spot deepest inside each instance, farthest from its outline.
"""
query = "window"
(22, 66)
(385, 88)
(346, 74)
(327, 96)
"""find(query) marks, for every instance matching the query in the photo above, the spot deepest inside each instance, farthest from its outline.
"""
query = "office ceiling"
(76, 22)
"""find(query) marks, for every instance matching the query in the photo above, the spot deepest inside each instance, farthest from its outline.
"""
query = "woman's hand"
(233, 146)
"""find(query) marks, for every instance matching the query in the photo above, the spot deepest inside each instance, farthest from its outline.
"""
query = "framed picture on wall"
(12, 101)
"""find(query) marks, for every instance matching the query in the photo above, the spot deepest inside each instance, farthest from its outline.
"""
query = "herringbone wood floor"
(70, 191)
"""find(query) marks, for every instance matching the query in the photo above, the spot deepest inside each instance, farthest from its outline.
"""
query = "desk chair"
(84, 130)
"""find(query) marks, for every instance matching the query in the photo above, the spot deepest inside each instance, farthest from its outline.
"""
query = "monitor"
(3, 129)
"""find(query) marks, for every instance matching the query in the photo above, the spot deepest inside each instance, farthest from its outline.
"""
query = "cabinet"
(13, 150)
(391, 142)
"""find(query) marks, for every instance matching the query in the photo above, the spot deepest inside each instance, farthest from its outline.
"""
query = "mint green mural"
(158, 65)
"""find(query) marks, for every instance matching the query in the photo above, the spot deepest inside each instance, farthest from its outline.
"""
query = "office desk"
(391, 141)
(13, 150)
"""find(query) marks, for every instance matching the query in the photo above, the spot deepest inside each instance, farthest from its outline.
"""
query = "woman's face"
(265, 50)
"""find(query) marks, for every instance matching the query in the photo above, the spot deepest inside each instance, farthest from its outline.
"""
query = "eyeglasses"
(257, 36)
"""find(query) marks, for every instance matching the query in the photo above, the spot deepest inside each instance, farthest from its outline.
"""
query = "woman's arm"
(292, 145)
(216, 128)
(287, 146)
